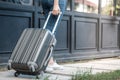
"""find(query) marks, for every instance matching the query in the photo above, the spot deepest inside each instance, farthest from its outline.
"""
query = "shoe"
(55, 66)
(49, 69)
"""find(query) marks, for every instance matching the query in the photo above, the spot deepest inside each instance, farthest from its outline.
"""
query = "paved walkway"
(100, 65)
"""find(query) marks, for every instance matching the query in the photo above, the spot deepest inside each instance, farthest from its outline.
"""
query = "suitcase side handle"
(55, 26)
(50, 54)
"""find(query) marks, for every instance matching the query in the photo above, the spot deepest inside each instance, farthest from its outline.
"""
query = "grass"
(114, 75)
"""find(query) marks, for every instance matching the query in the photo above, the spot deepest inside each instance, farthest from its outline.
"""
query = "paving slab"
(9, 75)
(95, 66)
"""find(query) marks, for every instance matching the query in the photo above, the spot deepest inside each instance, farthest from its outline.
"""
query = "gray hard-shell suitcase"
(33, 50)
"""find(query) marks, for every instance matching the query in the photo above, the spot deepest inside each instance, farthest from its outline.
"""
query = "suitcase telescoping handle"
(55, 26)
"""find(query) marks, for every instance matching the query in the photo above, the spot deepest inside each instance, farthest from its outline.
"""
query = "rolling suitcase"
(33, 50)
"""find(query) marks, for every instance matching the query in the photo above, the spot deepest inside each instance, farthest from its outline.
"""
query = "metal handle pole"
(47, 20)
(55, 26)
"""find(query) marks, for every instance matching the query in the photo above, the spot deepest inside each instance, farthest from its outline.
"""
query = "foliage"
(118, 7)
(115, 75)
(118, 2)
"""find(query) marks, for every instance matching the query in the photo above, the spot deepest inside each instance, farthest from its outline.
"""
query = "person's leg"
(46, 10)
(50, 26)
(47, 6)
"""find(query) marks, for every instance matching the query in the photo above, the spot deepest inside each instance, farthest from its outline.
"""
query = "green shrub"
(113, 75)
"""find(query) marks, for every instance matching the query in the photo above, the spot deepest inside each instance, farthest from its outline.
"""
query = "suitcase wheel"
(9, 67)
(37, 77)
(32, 69)
(40, 76)
(16, 74)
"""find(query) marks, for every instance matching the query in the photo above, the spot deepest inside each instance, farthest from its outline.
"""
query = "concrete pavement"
(99, 65)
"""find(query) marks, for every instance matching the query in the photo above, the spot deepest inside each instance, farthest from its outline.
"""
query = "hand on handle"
(56, 10)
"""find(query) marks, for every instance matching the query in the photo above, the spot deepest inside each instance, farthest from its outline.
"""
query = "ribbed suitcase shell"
(32, 51)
